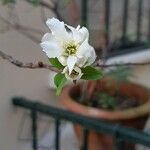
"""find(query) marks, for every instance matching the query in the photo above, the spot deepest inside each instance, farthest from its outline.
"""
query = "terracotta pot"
(132, 117)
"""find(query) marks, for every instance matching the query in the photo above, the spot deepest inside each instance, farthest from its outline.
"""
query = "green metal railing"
(120, 133)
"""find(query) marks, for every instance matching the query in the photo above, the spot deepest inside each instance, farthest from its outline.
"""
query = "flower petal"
(58, 29)
(63, 60)
(79, 35)
(87, 52)
(81, 61)
(91, 57)
(47, 37)
(73, 76)
(83, 49)
(71, 61)
(84, 33)
(79, 73)
(51, 49)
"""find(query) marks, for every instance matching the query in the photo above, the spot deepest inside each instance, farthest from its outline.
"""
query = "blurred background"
(119, 31)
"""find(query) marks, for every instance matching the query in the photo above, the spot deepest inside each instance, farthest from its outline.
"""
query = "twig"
(46, 66)
(29, 65)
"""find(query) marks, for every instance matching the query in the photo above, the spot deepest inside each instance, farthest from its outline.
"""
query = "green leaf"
(56, 63)
(90, 73)
(59, 81)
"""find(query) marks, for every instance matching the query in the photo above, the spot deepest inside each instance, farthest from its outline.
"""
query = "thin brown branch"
(40, 64)
(29, 65)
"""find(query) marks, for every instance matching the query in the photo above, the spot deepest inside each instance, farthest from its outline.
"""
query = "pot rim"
(130, 113)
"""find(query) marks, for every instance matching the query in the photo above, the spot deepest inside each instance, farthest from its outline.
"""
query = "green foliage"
(90, 73)
(106, 101)
(120, 73)
(59, 81)
(56, 63)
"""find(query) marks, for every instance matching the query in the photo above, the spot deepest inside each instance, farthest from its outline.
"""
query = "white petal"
(83, 49)
(47, 37)
(79, 35)
(58, 29)
(76, 35)
(71, 61)
(78, 27)
(51, 49)
(65, 70)
(84, 33)
(80, 73)
(87, 52)
(63, 60)
(91, 58)
(81, 61)
(55, 25)
(73, 77)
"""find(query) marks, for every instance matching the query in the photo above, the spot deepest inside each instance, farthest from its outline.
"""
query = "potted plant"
(132, 109)
(100, 97)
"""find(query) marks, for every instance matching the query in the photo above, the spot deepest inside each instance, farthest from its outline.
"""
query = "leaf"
(90, 73)
(56, 63)
(59, 81)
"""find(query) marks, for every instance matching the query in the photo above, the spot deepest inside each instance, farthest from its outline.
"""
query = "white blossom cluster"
(70, 46)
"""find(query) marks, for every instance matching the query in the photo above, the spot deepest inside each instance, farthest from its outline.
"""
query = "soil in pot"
(109, 102)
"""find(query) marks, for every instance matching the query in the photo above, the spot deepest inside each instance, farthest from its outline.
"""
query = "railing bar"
(84, 4)
(128, 134)
(57, 134)
(125, 21)
(107, 21)
(34, 129)
(139, 19)
(120, 145)
(85, 139)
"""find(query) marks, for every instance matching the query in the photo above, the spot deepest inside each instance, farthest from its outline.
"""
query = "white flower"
(76, 73)
(70, 47)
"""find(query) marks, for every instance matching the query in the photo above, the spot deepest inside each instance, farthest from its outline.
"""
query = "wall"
(14, 81)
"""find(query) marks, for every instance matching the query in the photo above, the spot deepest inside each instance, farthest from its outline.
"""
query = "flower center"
(70, 49)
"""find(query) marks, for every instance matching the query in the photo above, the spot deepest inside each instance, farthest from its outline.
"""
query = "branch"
(41, 65)
(27, 65)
